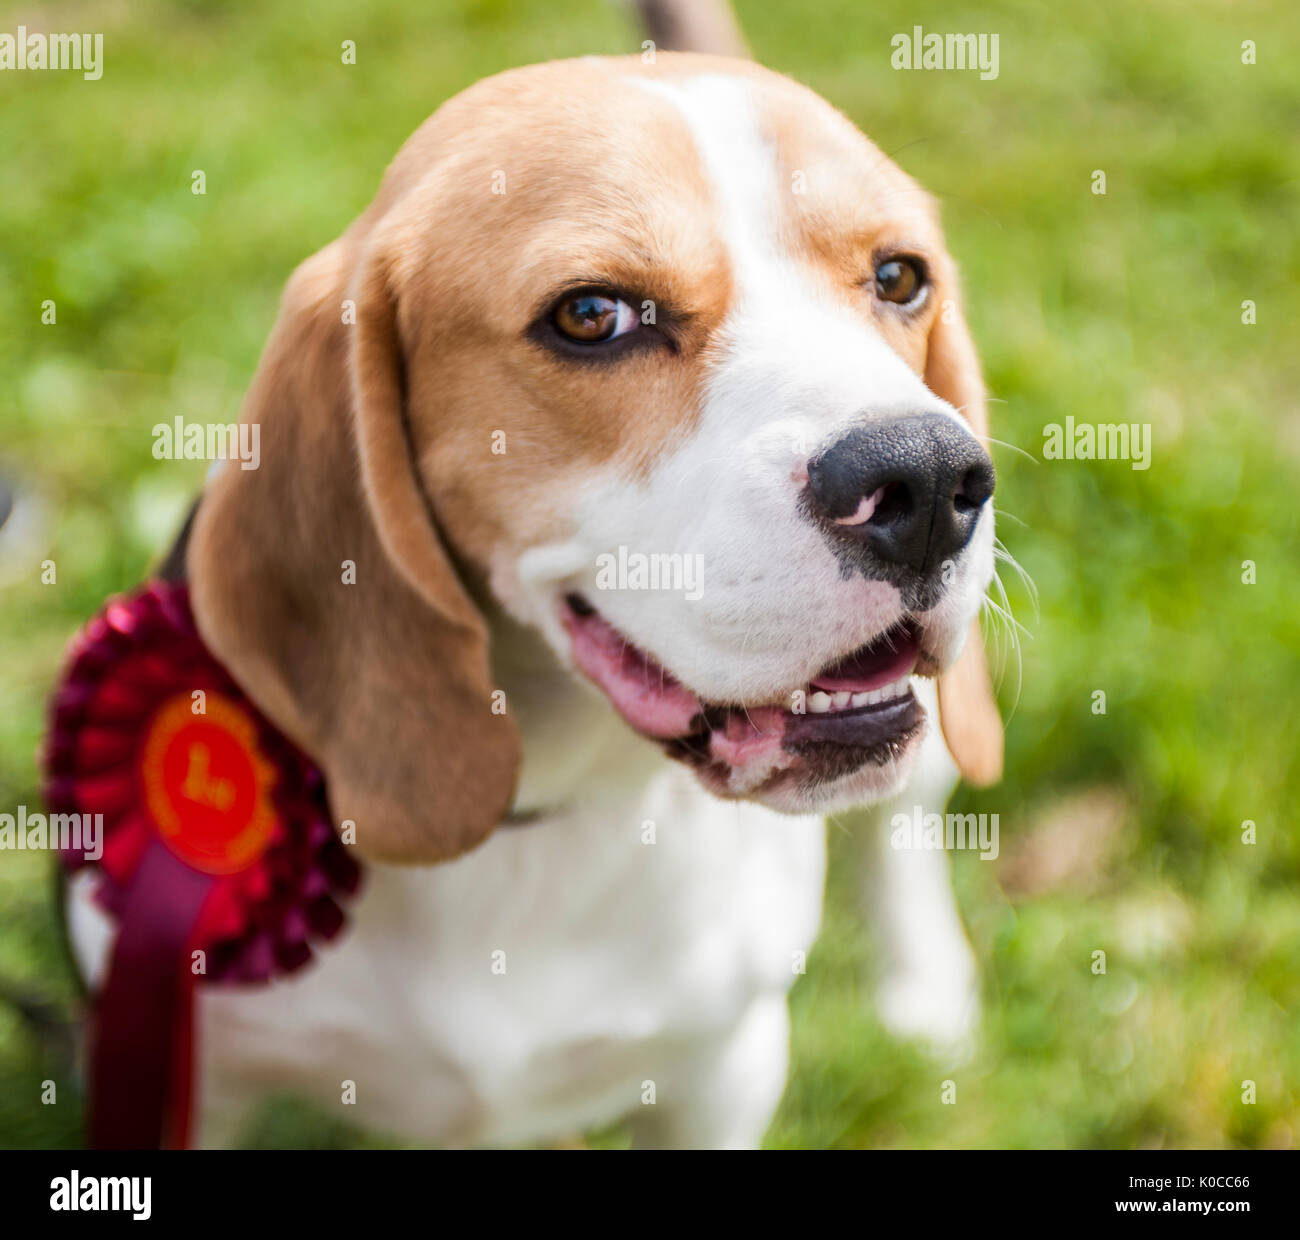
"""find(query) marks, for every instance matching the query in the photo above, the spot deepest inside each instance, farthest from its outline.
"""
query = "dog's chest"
(536, 984)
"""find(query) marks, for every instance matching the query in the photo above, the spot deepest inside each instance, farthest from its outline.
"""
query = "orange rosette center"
(206, 786)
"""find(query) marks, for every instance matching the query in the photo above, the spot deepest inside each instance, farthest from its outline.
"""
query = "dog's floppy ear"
(968, 711)
(321, 581)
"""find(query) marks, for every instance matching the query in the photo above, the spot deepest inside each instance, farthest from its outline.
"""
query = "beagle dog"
(604, 323)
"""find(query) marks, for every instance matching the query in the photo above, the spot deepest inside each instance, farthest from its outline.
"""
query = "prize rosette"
(217, 858)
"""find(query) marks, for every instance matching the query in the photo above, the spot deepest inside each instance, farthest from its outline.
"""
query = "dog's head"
(665, 360)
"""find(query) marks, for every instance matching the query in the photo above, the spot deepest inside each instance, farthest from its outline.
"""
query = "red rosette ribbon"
(219, 862)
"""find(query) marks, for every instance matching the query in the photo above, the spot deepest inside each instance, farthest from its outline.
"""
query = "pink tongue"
(749, 736)
(872, 667)
(642, 692)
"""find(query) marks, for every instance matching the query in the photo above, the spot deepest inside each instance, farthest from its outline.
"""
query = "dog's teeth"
(819, 702)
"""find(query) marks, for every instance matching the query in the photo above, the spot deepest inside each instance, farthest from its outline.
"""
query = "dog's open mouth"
(860, 711)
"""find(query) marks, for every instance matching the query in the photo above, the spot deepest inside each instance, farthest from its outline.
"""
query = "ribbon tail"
(141, 1051)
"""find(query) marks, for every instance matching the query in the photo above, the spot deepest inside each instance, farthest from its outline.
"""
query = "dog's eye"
(591, 316)
(900, 280)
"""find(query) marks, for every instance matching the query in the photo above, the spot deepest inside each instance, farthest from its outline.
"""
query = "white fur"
(628, 965)
(928, 980)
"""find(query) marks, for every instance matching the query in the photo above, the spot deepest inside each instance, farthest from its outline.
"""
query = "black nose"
(910, 488)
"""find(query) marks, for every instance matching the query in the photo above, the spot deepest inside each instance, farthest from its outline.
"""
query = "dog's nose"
(911, 488)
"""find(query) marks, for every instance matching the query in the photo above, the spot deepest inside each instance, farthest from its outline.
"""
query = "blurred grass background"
(1121, 832)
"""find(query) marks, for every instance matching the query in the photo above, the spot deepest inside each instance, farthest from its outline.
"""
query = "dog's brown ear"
(320, 580)
(968, 710)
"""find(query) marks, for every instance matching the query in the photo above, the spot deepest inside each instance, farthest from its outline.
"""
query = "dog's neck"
(574, 745)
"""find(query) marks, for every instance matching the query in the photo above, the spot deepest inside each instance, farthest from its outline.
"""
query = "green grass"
(1125, 307)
